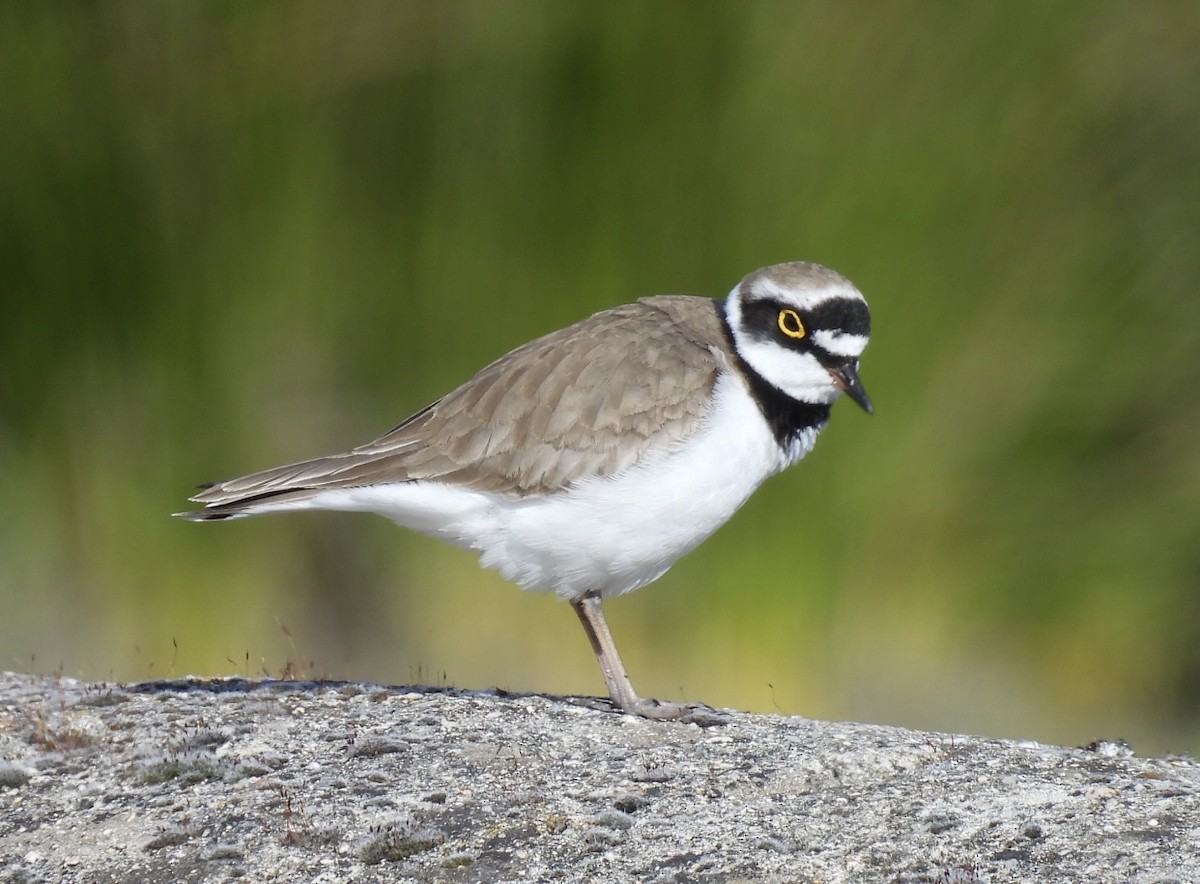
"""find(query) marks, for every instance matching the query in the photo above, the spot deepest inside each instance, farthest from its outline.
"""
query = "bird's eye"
(790, 324)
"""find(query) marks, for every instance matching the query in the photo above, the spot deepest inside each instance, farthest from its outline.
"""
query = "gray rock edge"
(220, 779)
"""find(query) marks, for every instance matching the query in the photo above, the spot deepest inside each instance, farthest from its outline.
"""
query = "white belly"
(605, 535)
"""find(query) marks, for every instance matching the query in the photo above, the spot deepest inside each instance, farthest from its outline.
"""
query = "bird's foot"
(685, 713)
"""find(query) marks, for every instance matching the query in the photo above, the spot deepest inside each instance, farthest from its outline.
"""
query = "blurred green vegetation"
(238, 233)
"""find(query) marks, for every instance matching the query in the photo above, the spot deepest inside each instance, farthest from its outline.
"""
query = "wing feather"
(587, 400)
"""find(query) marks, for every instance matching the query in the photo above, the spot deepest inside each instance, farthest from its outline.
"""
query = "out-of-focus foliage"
(234, 234)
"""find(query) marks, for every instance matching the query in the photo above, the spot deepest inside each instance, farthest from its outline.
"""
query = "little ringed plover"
(588, 461)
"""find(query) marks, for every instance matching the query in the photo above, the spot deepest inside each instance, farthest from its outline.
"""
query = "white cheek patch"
(840, 343)
(799, 375)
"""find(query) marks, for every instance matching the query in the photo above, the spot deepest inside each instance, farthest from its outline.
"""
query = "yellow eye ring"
(790, 324)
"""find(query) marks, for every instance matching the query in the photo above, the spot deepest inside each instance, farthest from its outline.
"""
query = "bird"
(588, 461)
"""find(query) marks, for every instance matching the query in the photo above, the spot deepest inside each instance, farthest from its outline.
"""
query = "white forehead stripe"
(840, 343)
(763, 289)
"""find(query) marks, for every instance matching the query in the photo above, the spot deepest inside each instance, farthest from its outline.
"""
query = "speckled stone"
(217, 780)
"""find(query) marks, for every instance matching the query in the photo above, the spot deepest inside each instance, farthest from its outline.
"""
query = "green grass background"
(239, 233)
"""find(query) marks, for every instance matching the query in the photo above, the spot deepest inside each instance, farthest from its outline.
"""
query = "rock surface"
(300, 781)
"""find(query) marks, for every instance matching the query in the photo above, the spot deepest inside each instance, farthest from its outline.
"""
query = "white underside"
(605, 535)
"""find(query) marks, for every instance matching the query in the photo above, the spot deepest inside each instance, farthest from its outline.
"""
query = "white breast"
(606, 535)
